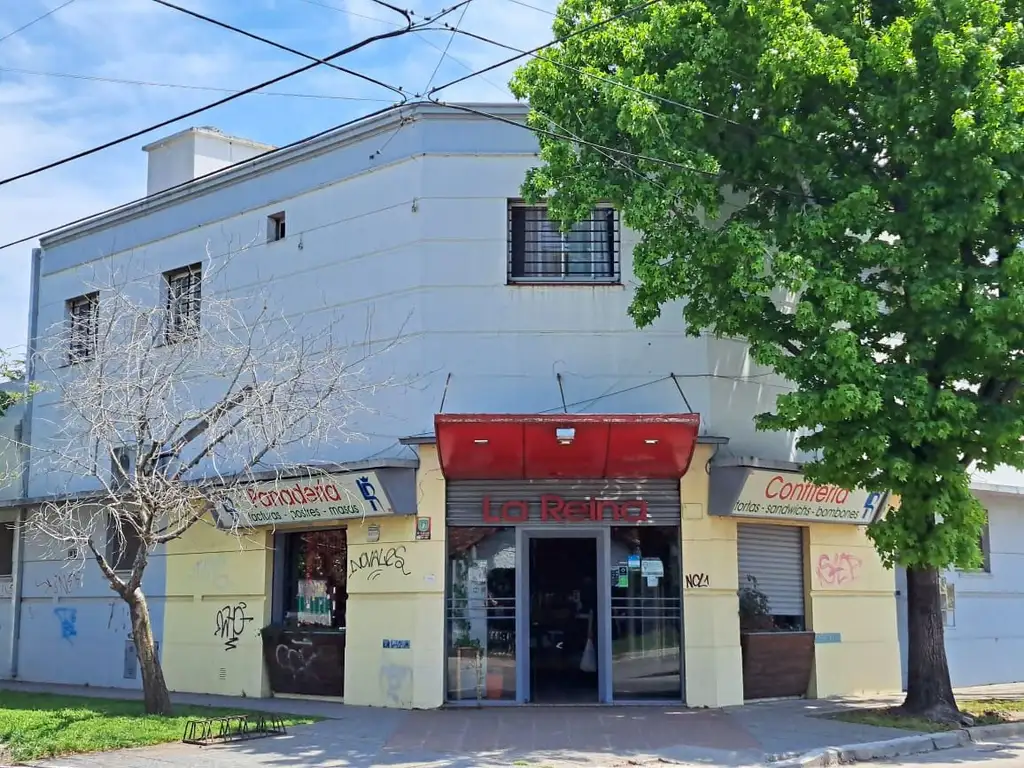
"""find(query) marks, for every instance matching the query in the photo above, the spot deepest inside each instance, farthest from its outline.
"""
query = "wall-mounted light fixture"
(565, 435)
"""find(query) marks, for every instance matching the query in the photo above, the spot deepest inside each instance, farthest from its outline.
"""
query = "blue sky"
(57, 98)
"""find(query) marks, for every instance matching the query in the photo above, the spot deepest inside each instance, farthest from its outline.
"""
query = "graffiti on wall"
(60, 584)
(230, 624)
(68, 618)
(374, 562)
(297, 662)
(697, 580)
(838, 569)
(6, 588)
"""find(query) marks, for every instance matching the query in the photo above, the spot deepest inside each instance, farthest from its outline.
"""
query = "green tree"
(10, 370)
(842, 184)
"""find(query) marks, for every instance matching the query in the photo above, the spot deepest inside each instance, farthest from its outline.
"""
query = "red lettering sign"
(557, 509)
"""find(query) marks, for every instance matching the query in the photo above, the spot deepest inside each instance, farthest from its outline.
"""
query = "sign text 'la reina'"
(557, 509)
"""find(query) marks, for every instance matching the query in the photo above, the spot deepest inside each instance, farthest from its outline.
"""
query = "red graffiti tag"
(838, 569)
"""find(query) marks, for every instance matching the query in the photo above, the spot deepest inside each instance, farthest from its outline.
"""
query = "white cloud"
(46, 118)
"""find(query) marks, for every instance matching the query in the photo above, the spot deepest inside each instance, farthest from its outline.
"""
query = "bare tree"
(169, 392)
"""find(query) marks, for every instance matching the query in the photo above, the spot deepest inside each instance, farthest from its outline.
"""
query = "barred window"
(184, 298)
(83, 319)
(540, 252)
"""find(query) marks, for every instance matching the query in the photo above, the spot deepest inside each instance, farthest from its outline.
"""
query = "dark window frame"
(277, 227)
(183, 289)
(83, 314)
(529, 254)
(8, 537)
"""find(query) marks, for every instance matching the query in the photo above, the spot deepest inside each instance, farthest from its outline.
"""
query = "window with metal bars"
(83, 320)
(184, 297)
(539, 252)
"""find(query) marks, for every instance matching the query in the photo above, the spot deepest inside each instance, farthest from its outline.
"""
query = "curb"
(904, 745)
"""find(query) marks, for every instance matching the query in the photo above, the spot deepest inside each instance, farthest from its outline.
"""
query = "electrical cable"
(447, 46)
(279, 46)
(152, 84)
(250, 161)
(597, 25)
(353, 13)
(533, 7)
(163, 123)
(36, 20)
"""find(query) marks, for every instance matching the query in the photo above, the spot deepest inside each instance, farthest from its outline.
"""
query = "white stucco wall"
(416, 240)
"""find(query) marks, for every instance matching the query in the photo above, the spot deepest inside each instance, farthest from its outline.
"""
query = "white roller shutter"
(773, 554)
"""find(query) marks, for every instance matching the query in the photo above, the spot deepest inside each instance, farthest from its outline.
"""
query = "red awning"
(577, 446)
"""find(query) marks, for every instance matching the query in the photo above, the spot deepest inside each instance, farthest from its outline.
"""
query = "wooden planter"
(776, 664)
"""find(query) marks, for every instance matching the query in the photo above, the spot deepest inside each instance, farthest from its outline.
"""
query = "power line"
(353, 13)
(119, 81)
(422, 38)
(36, 20)
(279, 46)
(447, 46)
(130, 203)
(163, 123)
(597, 25)
(114, 209)
(534, 7)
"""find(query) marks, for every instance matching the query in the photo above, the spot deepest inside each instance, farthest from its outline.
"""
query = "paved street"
(997, 754)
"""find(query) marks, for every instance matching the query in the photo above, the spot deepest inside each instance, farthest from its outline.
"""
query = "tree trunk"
(929, 690)
(154, 687)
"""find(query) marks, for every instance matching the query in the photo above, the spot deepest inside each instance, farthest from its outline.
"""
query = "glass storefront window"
(316, 584)
(646, 613)
(481, 614)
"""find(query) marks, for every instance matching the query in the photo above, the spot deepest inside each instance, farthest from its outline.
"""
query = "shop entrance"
(564, 619)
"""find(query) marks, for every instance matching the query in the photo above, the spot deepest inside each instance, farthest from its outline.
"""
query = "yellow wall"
(399, 603)
(851, 593)
(218, 587)
(711, 624)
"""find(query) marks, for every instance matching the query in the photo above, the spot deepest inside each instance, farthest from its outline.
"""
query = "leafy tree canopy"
(863, 167)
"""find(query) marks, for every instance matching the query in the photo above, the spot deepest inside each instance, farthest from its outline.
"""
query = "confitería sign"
(766, 494)
(307, 499)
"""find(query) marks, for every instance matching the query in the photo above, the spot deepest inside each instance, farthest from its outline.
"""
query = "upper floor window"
(184, 298)
(83, 318)
(276, 228)
(538, 250)
(122, 462)
(7, 531)
(985, 545)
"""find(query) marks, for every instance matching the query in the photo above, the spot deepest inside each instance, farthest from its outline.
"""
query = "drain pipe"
(26, 456)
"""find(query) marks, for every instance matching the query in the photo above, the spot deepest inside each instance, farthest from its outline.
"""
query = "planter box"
(776, 664)
(311, 663)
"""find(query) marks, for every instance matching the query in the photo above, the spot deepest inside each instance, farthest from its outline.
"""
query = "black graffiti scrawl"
(231, 621)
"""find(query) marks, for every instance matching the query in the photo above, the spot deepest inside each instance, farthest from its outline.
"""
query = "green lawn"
(36, 725)
(984, 712)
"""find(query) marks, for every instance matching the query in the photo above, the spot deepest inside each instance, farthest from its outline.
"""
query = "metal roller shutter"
(465, 497)
(773, 554)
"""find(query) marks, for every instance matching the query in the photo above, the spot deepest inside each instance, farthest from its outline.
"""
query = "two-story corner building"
(560, 508)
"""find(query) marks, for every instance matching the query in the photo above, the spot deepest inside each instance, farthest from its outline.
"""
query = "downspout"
(26, 455)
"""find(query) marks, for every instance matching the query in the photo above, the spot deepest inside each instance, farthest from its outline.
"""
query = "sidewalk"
(542, 737)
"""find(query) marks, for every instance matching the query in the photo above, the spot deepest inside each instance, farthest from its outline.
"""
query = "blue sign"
(633, 561)
(828, 637)
(397, 644)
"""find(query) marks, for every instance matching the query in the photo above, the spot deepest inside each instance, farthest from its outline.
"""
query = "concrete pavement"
(556, 737)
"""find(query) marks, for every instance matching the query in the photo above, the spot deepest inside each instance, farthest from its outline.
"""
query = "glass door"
(563, 629)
